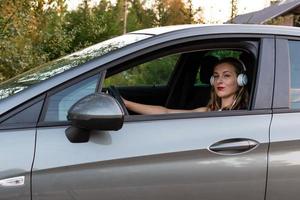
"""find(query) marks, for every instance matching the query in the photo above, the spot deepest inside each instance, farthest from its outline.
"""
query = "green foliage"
(90, 25)
(156, 72)
(225, 53)
(33, 32)
(30, 34)
(171, 12)
(139, 16)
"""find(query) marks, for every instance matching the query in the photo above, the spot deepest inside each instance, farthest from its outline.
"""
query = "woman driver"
(228, 91)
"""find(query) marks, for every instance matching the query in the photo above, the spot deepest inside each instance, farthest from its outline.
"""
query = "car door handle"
(12, 182)
(233, 146)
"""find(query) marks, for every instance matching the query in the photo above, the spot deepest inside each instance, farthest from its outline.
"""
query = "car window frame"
(177, 69)
(258, 105)
(260, 93)
(282, 79)
(61, 87)
(19, 109)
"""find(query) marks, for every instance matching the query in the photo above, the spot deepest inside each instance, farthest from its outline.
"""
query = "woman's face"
(225, 80)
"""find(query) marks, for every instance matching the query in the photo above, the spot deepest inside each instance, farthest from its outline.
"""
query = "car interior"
(188, 79)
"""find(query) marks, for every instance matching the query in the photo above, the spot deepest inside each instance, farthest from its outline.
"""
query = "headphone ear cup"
(212, 80)
(242, 80)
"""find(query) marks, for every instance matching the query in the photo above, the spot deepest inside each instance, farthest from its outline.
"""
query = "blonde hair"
(241, 100)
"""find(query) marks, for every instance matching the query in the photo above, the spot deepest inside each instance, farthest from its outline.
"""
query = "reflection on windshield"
(58, 66)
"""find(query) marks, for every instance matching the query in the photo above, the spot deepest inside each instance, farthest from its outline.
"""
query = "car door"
(284, 158)
(213, 155)
(17, 139)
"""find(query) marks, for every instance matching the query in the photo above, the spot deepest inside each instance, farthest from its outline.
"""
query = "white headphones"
(242, 78)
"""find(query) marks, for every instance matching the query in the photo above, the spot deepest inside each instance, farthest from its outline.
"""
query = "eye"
(216, 76)
(227, 75)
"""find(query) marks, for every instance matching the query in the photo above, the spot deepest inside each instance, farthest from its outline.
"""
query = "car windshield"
(50, 69)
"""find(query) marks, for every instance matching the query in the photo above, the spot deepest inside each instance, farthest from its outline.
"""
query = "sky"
(214, 11)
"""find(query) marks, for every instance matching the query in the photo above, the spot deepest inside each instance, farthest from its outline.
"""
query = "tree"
(139, 16)
(190, 11)
(171, 12)
(31, 33)
(17, 27)
(194, 15)
(91, 25)
(51, 37)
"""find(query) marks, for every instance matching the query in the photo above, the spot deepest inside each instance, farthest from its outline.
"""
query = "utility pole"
(125, 17)
(234, 9)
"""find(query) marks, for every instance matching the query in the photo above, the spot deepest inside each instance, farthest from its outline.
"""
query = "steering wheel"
(113, 91)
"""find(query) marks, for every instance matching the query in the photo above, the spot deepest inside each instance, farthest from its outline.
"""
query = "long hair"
(241, 95)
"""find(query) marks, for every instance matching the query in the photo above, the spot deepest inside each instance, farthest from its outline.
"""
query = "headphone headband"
(242, 64)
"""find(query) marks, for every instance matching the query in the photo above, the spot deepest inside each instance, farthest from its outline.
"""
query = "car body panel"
(284, 157)
(16, 157)
(284, 153)
(265, 76)
(163, 159)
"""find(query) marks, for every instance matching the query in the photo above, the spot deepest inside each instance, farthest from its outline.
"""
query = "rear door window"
(294, 49)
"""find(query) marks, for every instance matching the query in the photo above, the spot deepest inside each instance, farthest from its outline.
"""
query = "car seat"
(200, 94)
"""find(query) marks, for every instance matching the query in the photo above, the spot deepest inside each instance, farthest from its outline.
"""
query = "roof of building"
(261, 16)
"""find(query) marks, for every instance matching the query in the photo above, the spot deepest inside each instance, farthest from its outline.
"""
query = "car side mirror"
(98, 111)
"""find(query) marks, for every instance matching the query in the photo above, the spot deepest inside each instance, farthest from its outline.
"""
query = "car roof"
(225, 28)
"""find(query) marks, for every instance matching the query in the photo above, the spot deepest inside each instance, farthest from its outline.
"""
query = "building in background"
(279, 13)
(219, 11)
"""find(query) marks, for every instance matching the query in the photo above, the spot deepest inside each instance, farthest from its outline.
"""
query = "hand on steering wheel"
(113, 91)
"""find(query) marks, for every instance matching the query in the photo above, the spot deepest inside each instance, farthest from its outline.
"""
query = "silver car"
(65, 133)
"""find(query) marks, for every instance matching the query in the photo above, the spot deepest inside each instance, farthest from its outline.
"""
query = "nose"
(219, 80)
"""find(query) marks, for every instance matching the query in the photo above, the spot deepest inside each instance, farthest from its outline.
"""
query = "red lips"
(220, 88)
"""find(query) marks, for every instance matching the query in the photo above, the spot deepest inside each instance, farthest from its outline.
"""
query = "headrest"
(207, 67)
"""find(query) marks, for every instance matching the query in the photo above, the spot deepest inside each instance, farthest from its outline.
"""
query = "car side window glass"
(294, 49)
(182, 82)
(153, 73)
(60, 102)
(27, 117)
